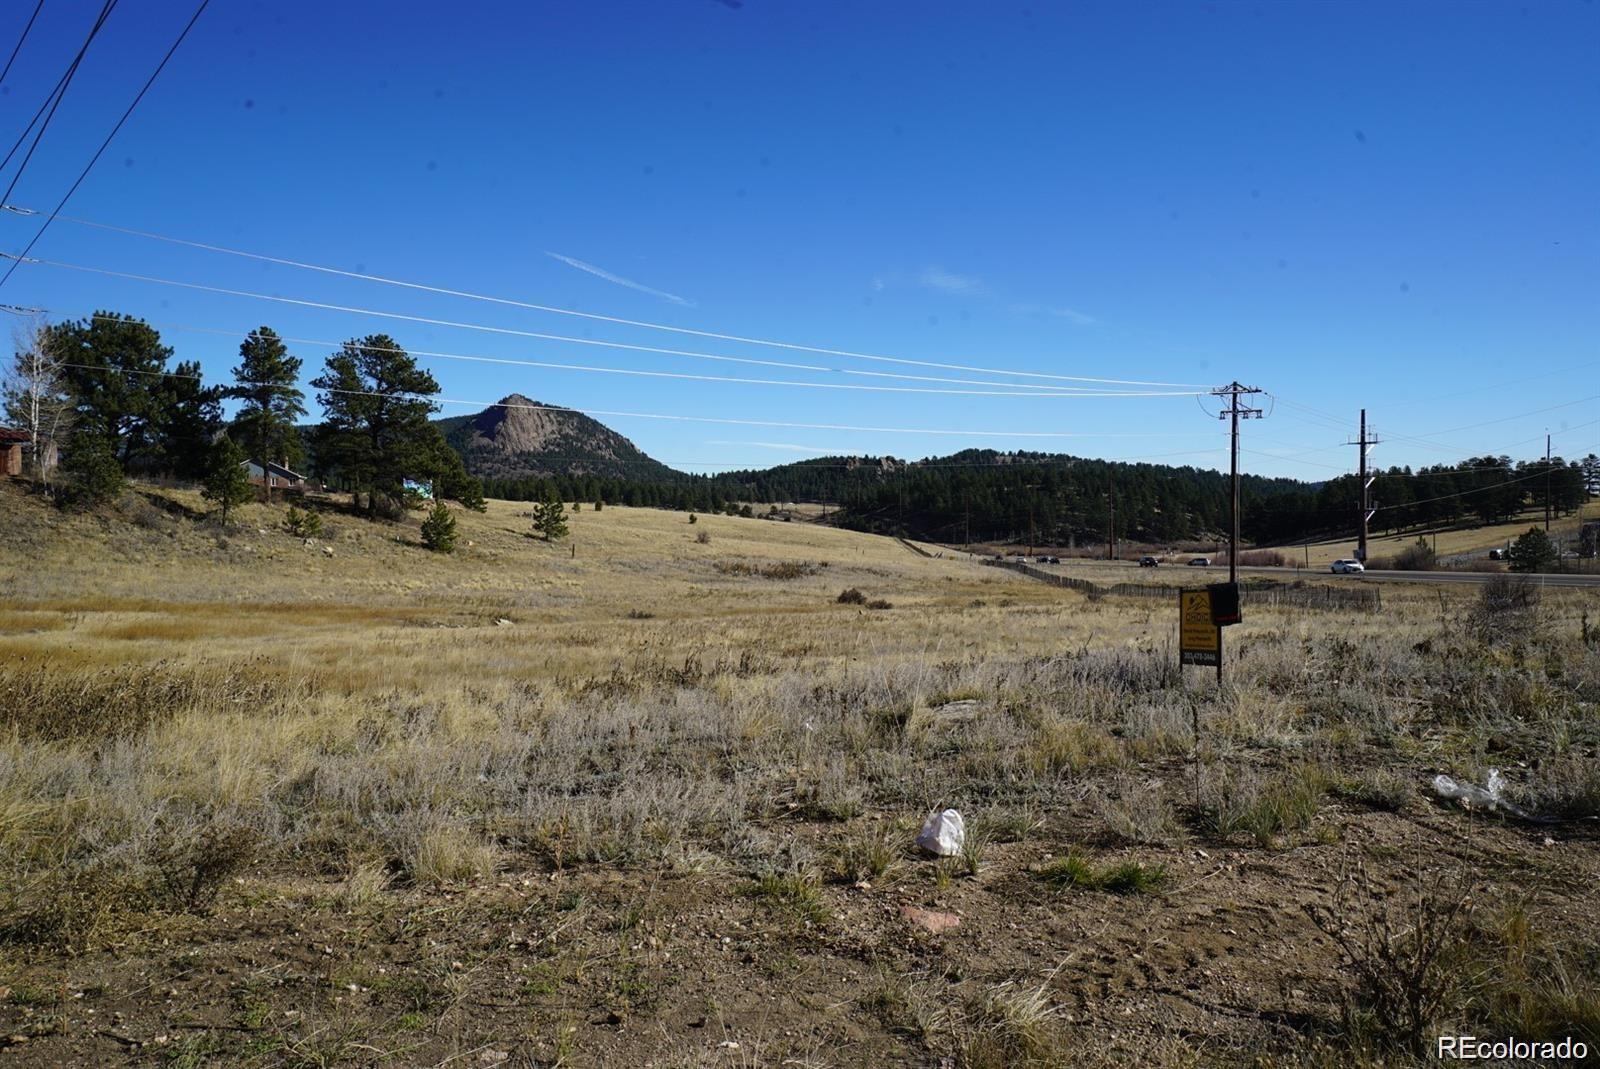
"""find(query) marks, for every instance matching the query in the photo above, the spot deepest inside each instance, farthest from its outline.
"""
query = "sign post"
(1199, 637)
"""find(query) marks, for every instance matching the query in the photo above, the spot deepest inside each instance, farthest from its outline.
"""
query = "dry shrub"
(852, 596)
(71, 907)
(783, 569)
(193, 863)
(1400, 953)
(1508, 607)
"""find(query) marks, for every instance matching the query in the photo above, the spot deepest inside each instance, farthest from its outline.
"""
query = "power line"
(1043, 391)
(1018, 391)
(53, 101)
(25, 30)
(640, 373)
(617, 320)
(107, 142)
(650, 415)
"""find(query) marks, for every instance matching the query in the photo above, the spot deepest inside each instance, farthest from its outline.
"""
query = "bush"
(1400, 977)
(302, 523)
(1507, 605)
(439, 529)
(1417, 557)
(96, 474)
(693, 518)
(194, 864)
(852, 597)
(703, 538)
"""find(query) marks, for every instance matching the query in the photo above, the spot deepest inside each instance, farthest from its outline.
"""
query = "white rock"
(943, 833)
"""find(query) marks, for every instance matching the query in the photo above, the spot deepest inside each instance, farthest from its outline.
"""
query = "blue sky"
(1378, 204)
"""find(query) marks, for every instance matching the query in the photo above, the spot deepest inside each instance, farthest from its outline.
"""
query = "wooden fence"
(1253, 591)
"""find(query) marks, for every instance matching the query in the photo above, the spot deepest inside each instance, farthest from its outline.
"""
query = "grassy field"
(1474, 541)
(648, 796)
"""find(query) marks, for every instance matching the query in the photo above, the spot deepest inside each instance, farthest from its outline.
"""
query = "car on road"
(1148, 562)
(1200, 562)
(1347, 566)
(1497, 554)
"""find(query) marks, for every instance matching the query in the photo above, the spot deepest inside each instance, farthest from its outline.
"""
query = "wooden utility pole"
(1365, 443)
(1547, 484)
(1235, 411)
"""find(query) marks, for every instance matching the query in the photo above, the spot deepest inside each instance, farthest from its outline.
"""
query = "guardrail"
(1253, 591)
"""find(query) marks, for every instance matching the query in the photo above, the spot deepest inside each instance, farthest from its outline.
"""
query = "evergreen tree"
(599, 503)
(1533, 552)
(550, 519)
(185, 419)
(113, 366)
(96, 475)
(265, 382)
(227, 478)
(439, 529)
(377, 433)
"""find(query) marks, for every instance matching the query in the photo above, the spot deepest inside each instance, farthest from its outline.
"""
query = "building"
(11, 451)
(277, 476)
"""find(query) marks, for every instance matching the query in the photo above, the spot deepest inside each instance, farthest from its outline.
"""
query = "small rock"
(327, 551)
(502, 622)
(493, 1057)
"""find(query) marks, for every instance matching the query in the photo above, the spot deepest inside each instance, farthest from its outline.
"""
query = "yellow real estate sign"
(1199, 639)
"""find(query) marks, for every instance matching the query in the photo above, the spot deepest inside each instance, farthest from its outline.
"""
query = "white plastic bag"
(1489, 796)
(943, 833)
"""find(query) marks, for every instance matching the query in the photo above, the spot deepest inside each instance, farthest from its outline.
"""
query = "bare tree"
(36, 397)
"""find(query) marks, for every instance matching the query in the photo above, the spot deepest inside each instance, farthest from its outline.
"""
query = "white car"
(1347, 566)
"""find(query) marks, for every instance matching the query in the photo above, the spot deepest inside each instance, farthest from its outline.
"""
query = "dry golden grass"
(184, 707)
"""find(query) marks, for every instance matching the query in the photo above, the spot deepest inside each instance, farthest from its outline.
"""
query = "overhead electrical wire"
(21, 40)
(617, 320)
(722, 420)
(198, 11)
(53, 102)
(1041, 390)
(1018, 391)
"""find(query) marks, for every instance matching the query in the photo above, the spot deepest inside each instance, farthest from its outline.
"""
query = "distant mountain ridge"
(520, 438)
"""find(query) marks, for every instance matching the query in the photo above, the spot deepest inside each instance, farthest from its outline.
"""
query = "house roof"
(274, 468)
(9, 435)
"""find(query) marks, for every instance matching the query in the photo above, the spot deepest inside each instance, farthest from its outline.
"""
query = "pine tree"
(1533, 552)
(115, 373)
(96, 475)
(377, 433)
(265, 382)
(439, 529)
(550, 519)
(227, 477)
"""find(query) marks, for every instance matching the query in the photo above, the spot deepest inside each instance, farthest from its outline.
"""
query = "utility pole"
(1235, 411)
(1547, 483)
(1365, 443)
(1111, 530)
